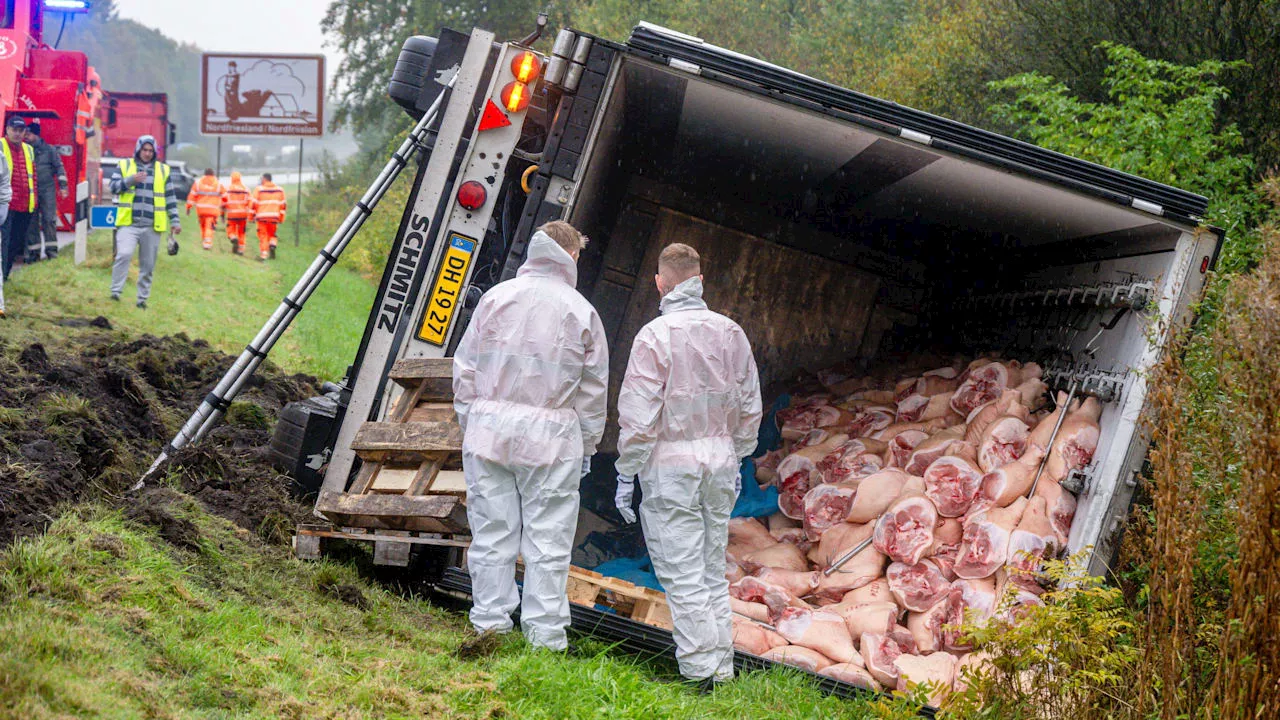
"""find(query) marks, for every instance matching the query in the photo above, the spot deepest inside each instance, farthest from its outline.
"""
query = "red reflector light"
(471, 195)
(526, 67)
(1204, 265)
(492, 117)
(515, 96)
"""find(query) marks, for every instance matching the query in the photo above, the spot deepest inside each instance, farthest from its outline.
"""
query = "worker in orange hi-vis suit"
(206, 196)
(268, 212)
(237, 203)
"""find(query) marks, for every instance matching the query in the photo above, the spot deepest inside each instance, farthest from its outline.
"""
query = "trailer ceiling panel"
(960, 194)
(780, 82)
(710, 138)
(742, 137)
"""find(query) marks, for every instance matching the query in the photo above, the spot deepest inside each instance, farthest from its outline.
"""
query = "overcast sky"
(267, 26)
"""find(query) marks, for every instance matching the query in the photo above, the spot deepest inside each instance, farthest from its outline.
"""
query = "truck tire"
(410, 73)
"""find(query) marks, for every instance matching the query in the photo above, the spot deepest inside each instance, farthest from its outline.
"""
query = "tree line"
(935, 55)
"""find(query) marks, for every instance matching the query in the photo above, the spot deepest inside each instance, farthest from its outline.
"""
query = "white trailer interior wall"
(828, 240)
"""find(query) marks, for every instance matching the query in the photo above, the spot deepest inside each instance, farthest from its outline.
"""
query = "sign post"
(265, 95)
(297, 226)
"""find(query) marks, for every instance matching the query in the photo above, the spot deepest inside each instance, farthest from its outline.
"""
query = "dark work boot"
(702, 686)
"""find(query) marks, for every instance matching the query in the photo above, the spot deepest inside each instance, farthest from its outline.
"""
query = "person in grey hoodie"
(146, 208)
(6, 194)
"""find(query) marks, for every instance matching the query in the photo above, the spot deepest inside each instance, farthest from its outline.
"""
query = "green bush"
(1071, 657)
(1160, 121)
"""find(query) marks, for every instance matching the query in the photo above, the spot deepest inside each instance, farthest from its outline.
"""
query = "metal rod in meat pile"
(761, 623)
(848, 556)
(1071, 393)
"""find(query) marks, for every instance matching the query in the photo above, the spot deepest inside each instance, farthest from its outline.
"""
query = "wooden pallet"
(390, 547)
(642, 604)
(410, 479)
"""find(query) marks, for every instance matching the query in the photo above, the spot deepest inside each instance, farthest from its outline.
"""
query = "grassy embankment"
(102, 618)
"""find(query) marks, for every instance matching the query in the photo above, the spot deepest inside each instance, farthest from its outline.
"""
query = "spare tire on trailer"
(411, 72)
(302, 442)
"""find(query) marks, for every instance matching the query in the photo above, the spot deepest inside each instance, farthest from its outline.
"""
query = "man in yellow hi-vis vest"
(146, 207)
(22, 173)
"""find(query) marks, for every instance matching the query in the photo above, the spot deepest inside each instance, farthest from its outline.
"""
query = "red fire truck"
(40, 82)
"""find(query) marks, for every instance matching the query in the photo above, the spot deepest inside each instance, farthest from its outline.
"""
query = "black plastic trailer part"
(642, 639)
(949, 135)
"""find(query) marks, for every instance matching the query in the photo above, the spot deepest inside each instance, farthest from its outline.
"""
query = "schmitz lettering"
(393, 300)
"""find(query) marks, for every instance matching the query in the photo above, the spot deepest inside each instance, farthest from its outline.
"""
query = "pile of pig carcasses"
(955, 474)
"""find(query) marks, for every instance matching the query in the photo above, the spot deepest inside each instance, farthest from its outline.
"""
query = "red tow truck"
(40, 82)
(124, 116)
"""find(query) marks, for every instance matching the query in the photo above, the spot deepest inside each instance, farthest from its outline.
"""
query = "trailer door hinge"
(685, 65)
(915, 136)
(1146, 206)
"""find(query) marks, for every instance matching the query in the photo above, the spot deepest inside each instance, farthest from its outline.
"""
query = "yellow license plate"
(446, 293)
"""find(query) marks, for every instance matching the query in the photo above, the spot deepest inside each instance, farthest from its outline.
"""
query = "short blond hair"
(678, 262)
(565, 235)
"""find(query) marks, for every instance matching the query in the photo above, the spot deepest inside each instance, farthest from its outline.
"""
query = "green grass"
(99, 617)
(215, 295)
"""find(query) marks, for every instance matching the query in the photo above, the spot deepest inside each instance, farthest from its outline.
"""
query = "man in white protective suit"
(688, 411)
(530, 381)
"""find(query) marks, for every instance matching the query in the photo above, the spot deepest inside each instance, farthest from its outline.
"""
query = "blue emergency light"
(67, 6)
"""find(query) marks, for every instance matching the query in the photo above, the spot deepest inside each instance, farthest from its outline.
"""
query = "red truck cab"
(125, 116)
(38, 82)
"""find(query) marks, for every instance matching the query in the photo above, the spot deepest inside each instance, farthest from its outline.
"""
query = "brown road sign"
(245, 94)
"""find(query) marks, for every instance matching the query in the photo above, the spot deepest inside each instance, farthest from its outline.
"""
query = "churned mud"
(83, 415)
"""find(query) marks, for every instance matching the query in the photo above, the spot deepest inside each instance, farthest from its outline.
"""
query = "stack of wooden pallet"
(411, 477)
(642, 604)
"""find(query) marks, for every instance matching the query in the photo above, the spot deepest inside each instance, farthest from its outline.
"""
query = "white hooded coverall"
(529, 382)
(688, 410)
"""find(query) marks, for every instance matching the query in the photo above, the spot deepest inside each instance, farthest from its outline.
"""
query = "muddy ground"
(83, 416)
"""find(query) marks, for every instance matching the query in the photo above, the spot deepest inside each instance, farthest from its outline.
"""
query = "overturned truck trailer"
(834, 227)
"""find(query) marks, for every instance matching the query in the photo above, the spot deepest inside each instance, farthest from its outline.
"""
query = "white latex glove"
(622, 498)
(737, 485)
(586, 466)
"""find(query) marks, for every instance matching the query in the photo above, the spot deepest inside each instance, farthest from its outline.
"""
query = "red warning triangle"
(492, 117)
